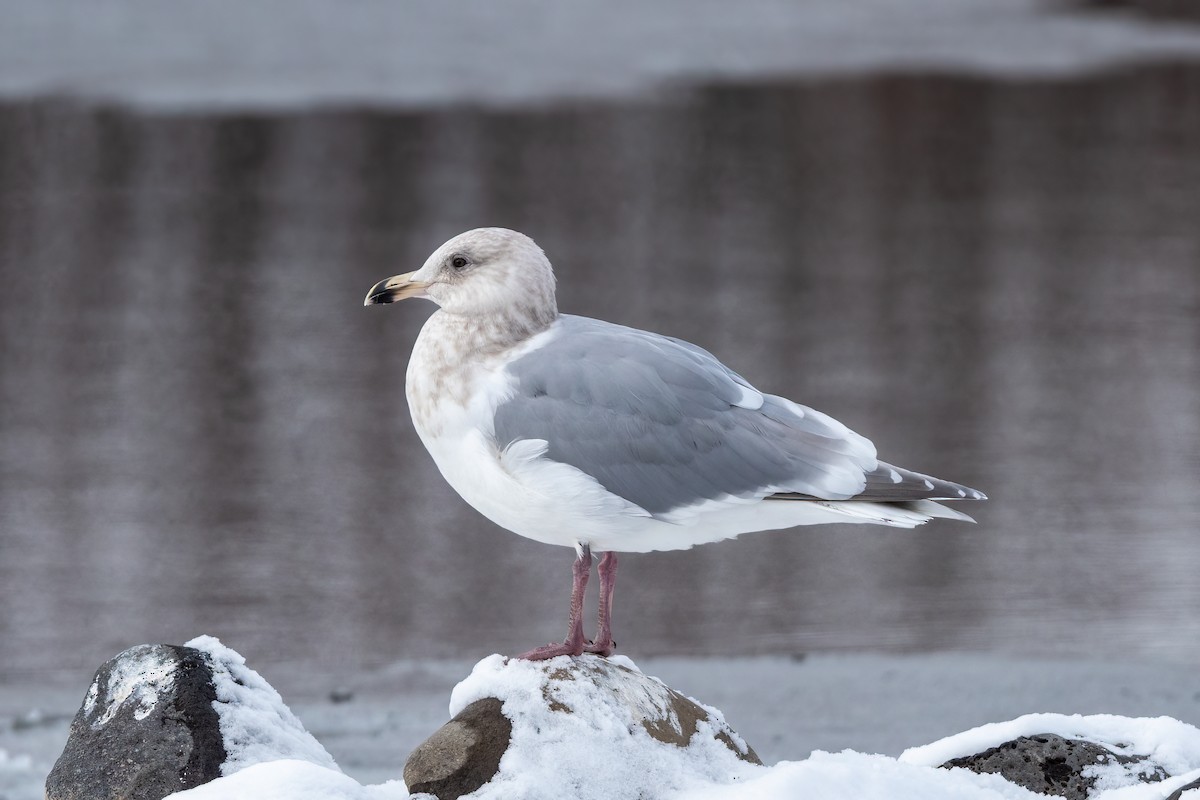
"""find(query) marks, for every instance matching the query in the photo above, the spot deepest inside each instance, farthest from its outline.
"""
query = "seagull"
(583, 433)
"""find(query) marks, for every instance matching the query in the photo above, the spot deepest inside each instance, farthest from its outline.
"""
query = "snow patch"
(863, 777)
(292, 780)
(140, 678)
(256, 725)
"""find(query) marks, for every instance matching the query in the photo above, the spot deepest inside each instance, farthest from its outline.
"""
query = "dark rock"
(1178, 793)
(463, 754)
(147, 728)
(1048, 764)
(341, 694)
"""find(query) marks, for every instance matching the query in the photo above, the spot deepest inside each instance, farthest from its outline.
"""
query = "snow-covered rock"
(1188, 792)
(1050, 764)
(587, 728)
(147, 728)
(1109, 756)
(543, 729)
(159, 719)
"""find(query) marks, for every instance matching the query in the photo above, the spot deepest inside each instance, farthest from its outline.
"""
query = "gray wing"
(891, 484)
(663, 424)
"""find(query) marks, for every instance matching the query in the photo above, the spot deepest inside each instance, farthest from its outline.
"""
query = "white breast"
(453, 397)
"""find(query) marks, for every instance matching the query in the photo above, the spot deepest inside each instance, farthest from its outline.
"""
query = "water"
(998, 281)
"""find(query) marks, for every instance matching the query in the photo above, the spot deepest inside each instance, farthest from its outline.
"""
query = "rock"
(160, 719)
(463, 754)
(1050, 764)
(147, 728)
(553, 716)
(341, 694)
(1178, 793)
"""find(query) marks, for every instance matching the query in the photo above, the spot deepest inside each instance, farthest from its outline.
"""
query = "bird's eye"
(459, 262)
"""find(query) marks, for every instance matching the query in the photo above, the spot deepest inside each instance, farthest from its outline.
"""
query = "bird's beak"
(395, 288)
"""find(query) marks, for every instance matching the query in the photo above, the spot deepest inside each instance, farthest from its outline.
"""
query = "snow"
(553, 763)
(256, 725)
(598, 751)
(837, 776)
(1156, 743)
(872, 703)
(598, 748)
(1173, 745)
(140, 677)
(292, 780)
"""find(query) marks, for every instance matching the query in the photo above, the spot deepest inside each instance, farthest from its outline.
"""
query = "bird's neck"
(452, 355)
(481, 337)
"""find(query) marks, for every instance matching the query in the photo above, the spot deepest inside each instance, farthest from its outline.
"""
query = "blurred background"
(970, 229)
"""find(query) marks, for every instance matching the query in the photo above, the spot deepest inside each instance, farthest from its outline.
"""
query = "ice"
(268, 54)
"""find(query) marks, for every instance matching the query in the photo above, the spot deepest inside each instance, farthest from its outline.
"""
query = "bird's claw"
(604, 649)
(569, 648)
(553, 650)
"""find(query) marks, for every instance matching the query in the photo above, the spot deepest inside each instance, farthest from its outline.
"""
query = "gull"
(587, 434)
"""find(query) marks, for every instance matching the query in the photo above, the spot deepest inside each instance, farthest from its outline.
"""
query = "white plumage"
(585, 434)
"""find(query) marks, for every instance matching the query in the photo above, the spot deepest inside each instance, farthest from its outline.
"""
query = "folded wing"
(664, 425)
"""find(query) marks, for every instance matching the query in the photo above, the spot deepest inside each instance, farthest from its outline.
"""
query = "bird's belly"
(556, 504)
(472, 465)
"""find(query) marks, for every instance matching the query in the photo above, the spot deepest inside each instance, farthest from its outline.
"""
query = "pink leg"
(604, 644)
(573, 645)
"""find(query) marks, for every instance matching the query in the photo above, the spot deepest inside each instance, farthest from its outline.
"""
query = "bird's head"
(487, 271)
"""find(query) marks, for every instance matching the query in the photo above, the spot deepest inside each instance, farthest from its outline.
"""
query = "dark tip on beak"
(395, 289)
(381, 294)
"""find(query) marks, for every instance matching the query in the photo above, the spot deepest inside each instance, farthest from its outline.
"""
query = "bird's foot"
(600, 648)
(546, 651)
